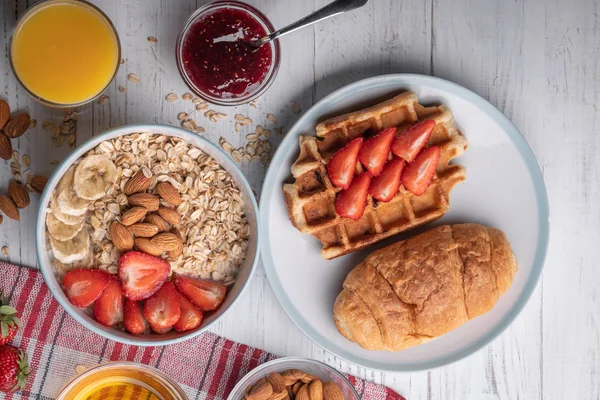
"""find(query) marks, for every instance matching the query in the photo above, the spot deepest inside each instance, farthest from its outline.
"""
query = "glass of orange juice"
(64, 52)
(122, 380)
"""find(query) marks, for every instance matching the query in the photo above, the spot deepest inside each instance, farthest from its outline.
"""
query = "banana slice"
(74, 249)
(94, 175)
(65, 218)
(67, 199)
(59, 230)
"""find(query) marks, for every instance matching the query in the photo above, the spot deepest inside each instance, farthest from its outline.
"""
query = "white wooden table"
(537, 61)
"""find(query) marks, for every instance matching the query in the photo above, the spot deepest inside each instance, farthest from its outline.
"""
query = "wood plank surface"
(537, 61)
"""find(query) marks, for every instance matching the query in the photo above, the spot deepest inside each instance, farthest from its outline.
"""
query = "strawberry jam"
(217, 59)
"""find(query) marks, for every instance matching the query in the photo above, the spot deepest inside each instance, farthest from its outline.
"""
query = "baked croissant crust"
(419, 289)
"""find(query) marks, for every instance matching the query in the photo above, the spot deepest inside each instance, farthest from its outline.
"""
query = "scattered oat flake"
(121, 89)
(33, 123)
(5, 251)
(272, 118)
(122, 61)
(133, 78)
(26, 160)
(187, 96)
(197, 100)
(182, 115)
(103, 99)
(152, 39)
(239, 117)
(201, 107)
(48, 124)
(252, 137)
(80, 369)
(237, 126)
(295, 107)
(171, 97)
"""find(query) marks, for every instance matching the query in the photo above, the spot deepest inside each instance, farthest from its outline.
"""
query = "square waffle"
(310, 196)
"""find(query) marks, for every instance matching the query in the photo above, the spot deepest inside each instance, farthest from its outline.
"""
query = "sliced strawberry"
(133, 319)
(162, 309)
(351, 203)
(109, 306)
(84, 286)
(142, 274)
(204, 294)
(375, 151)
(410, 142)
(343, 163)
(385, 186)
(417, 176)
(190, 317)
(161, 331)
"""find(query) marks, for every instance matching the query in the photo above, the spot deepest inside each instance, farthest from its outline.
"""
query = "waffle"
(310, 196)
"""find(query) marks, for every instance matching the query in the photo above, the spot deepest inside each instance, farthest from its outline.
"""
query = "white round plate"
(504, 189)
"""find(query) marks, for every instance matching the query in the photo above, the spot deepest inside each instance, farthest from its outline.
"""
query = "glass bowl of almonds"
(294, 379)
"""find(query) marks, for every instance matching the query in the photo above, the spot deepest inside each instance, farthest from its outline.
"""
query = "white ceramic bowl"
(322, 371)
(246, 270)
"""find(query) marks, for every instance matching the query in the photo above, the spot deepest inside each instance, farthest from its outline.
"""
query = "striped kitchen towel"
(207, 367)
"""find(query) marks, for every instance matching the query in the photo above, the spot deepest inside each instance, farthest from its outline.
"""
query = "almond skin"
(277, 382)
(166, 241)
(169, 215)
(143, 230)
(9, 208)
(18, 194)
(4, 113)
(145, 246)
(158, 221)
(315, 390)
(179, 249)
(133, 215)
(5, 147)
(149, 201)
(17, 125)
(38, 183)
(303, 393)
(120, 236)
(260, 391)
(332, 392)
(169, 193)
(137, 183)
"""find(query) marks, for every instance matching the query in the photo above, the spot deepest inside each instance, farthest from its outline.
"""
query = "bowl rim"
(401, 80)
(48, 271)
(285, 360)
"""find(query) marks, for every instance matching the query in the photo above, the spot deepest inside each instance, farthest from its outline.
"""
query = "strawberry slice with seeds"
(411, 141)
(351, 203)
(190, 318)
(109, 306)
(141, 274)
(133, 319)
(385, 186)
(342, 165)
(162, 309)
(84, 286)
(205, 294)
(375, 151)
(417, 176)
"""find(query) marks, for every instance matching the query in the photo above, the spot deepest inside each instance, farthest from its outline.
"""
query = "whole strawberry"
(9, 322)
(14, 369)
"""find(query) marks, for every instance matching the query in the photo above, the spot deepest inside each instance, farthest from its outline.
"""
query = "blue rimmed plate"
(504, 189)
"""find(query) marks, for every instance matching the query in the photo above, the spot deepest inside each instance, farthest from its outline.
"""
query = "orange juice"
(64, 52)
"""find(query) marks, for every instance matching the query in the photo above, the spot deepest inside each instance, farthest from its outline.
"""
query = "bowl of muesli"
(147, 234)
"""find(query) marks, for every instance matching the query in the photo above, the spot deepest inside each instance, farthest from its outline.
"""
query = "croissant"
(419, 289)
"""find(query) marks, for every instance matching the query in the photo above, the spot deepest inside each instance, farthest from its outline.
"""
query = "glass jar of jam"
(216, 61)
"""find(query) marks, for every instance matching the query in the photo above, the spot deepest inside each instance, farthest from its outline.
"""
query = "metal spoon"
(330, 10)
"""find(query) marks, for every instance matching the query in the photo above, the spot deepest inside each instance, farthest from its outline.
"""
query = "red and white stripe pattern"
(207, 367)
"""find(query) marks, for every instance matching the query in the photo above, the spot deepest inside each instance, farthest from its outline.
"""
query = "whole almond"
(120, 236)
(296, 387)
(292, 375)
(133, 215)
(17, 125)
(332, 392)
(143, 229)
(149, 201)
(18, 194)
(279, 396)
(179, 249)
(6, 149)
(4, 113)
(315, 390)
(158, 221)
(277, 381)
(303, 393)
(145, 246)
(169, 215)
(9, 208)
(137, 183)
(166, 241)
(308, 378)
(260, 391)
(169, 193)
(38, 183)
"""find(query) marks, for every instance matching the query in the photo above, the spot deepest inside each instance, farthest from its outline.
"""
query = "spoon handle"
(330, 10)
